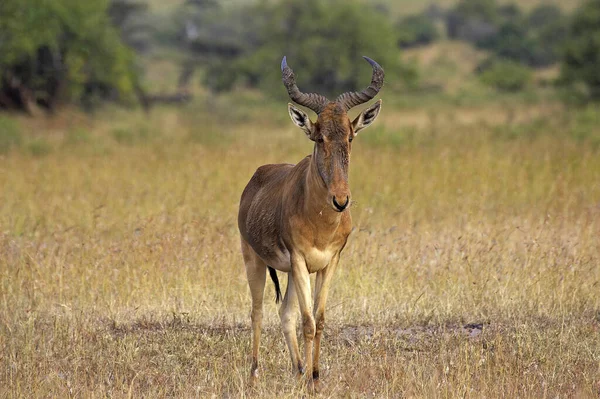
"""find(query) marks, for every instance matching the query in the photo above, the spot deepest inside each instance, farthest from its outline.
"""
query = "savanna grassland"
(473, 269)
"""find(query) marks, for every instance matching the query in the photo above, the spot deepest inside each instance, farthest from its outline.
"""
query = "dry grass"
(473, 270)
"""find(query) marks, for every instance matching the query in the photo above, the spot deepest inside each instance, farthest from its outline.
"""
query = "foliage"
(473, 20)
(324, 42)
(129, 17)
(416, 30)
(581, 62)
(506, 75)
(543, 15)
(514, 41)
(210, 31)
(509, 41)
(52, 51)
(548, 30)
(535, 39)
(10, 135)
(484, 10)
(39, 147)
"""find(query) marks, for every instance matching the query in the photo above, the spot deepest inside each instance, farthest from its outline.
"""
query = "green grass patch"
(10, 134)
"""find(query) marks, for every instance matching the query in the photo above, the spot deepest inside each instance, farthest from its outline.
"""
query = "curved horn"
(314, 101)
(352, 99)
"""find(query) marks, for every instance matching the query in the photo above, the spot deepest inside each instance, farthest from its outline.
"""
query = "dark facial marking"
(333, 133)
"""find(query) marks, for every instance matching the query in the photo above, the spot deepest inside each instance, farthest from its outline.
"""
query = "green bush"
(124, 136)
(584, 126)
(547, 30)
(581, 63)
(323, 41)
(543, 15)
(510, 41)
(506, 75)
(10, 135)
(473, 20)
(536, 39)
(416, 30)
(39, 147)
(77, 136)
(61, 50)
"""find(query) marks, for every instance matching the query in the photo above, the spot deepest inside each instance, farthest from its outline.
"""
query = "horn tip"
(283, 63)
(373, 63)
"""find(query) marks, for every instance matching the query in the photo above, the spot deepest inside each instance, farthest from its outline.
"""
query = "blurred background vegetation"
(66, 66)
(144, 52)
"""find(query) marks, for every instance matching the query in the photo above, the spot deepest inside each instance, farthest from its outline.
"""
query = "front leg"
(322, 283)
(288, 314)
(301, 280)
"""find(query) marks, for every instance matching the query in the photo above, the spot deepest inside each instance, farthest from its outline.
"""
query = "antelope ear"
(366, 117)
(301, 120)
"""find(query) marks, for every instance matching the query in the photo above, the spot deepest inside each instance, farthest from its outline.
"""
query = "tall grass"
(473, 269)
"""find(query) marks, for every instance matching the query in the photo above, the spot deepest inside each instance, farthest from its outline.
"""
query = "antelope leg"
(288, 313)
(301, 279)
(322, 284)
(256, 271)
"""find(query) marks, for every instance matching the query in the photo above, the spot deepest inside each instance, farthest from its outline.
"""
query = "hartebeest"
(295, 218)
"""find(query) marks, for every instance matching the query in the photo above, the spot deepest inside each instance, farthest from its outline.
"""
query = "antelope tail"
(273, 275)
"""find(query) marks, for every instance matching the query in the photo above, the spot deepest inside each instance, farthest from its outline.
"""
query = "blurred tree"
(324, 42)
(547, 31)
(535, 40)
(129, 17)
(61, 50)
(511, 41)
(473, 20)
(416, 30)
(210, 35)
(544, 15)
(581, 62)
(509, 12)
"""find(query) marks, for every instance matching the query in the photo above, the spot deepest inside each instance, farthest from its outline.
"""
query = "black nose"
(342, 206)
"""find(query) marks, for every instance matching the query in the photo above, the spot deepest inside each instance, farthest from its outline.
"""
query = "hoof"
(253, 378)
(299, 372)
(315, 386)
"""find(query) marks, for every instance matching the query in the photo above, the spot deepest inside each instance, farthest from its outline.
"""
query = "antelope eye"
(350, 139)
(320, 139)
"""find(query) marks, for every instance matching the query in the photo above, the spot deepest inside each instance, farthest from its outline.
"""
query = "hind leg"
(256, 271)
(288, 313)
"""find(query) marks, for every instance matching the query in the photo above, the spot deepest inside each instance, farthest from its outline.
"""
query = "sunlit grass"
(121, 275)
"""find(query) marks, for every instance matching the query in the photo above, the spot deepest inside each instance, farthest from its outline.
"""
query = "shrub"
(416, 30)
(473, 20)
(544, 15)
(506, 75)
(10, 135)
(124, 136)
(60, 50)
(581, 61)
(324, 42)
(536, 39)
(39, 147)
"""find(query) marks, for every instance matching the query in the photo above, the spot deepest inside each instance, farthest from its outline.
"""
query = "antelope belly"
(280, 260)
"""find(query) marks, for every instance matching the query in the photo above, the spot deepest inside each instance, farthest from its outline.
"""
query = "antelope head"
(333, 131)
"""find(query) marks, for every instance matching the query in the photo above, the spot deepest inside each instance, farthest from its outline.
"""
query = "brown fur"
(290, 219)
